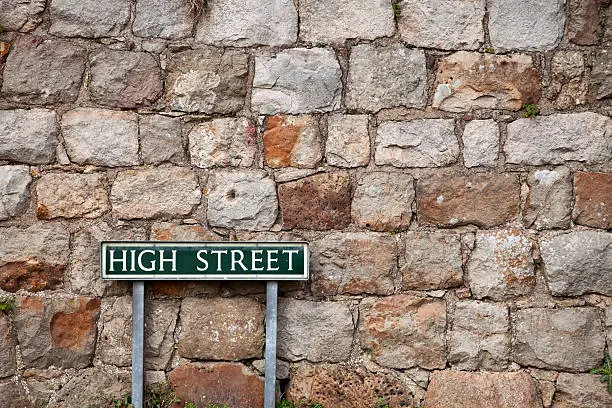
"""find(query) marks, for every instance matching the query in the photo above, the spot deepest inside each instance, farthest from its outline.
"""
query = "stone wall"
(461, 253)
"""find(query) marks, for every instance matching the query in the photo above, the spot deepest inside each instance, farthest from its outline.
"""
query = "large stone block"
(21, 16)
(14, 190)
(583, 22)
(581, 390)
(13, 394)
(114, 344)
(567, 339)
(348, 141)
(101, 137)
(244, 23)
(8, 353)
(169, 19)
(601, 74)
(386, 77)
(593, 200)
(404, 331)
(71, 195)
(89, 18)
(417, 143)
(152, 193)
(160, 139)
(28, 136)
(292, 141)
(480, 143)
(558, 138)
(569, 81)
(549, 202)
(161, 317)
(469, 80)
(353, 263)
(314, 331)
(298, 80)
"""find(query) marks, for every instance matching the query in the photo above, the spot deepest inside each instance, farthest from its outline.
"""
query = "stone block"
(115, 339)
(593, 200)
(549, 202)
(171, 20)
(348, 141)
(583, 22)
(601, 74)
(71, 195)
(13, 394)
(14, 191)
(160, 139)
(161, 318)
(480, 143)
(568, 87)
(21, 16)
(581, 390)
(89, 18)
(28, 136)
(292, 141)
(8, 353)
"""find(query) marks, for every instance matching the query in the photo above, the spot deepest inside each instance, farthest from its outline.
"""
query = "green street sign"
(123, 260)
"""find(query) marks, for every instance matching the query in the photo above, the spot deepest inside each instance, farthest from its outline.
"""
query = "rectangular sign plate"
(129, 260)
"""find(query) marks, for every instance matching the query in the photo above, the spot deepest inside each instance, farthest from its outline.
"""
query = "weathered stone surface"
(501, 265)
(231, 384)
(13, 394)
(71, 195)
(168, 231)
(223, 142)
(314, 331)
(593, 200)
(221, 329)
(471, 80)
(601, 74)
(124, 79)
(386, 77)
(163, 19)
(558, 138)
(581, 390)
(101, 137)
(480, 143)
(480, 336)
(353, 263)
(207, 80)
(568, 339)
(14, 190)
(89, 18)
(28, 136)
(298, 80)
(417, 143)
(348, 142)
(549, 202)
(43, 72)
(577, 263)
(583, 26)
(160, 139)
(114, 344)
(403, 331)
(431, 260)
(59, 332)
(33, 259)
(538, 27)
(244, 23)
(160, 324)
(21, 15)
(151, 193)
(485, 200)
(457, 389)
(292, 141)
(242, 200)
(445, 24)
(320, 202)
(568, 86)
(609, 325)
(8, 364)
(337, 20)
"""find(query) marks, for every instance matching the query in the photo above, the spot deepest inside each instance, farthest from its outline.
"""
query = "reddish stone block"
(583, 26)
(292, 141)
(593, 200)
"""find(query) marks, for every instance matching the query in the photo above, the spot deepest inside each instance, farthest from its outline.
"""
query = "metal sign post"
(271, 326)
(137, 344)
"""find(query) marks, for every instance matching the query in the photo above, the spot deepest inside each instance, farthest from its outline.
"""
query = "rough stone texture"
(501, 266)
(221, 329)
(28, 136)
(593, 200)
(568, 86)
(207, 80)
(383, 201)
(404, 331)
(33, 259)
(8, 364)
(71, 195)
(43, 72)
(431, 260)
(168, 231)
(601, 74)
(549, 202)
(568, 339)
(163, 19)
(231, 384)
(337, 20)
(348, 142)
(457, 389)
(417, 143)
(223, 142)
(245, 23)
(578, 262)
(298, 80)
(114, 344)
(160, 324)
(471, 80)
(101, 137)
(485, 200)
(480, 143)
(13, 394)
(242, 200)
(319, 202)
(160, 139)
(386, 77)
(581, 390)
(609, 325)
(14, 190)
(123, 79)
(21, 15)
(558, 138)
(480, 336)
(292, 141)
(445, 24)
(152, 193)
(314, 331)
(539, 27)
(353, 263)
(583, 26)
(89, 18)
